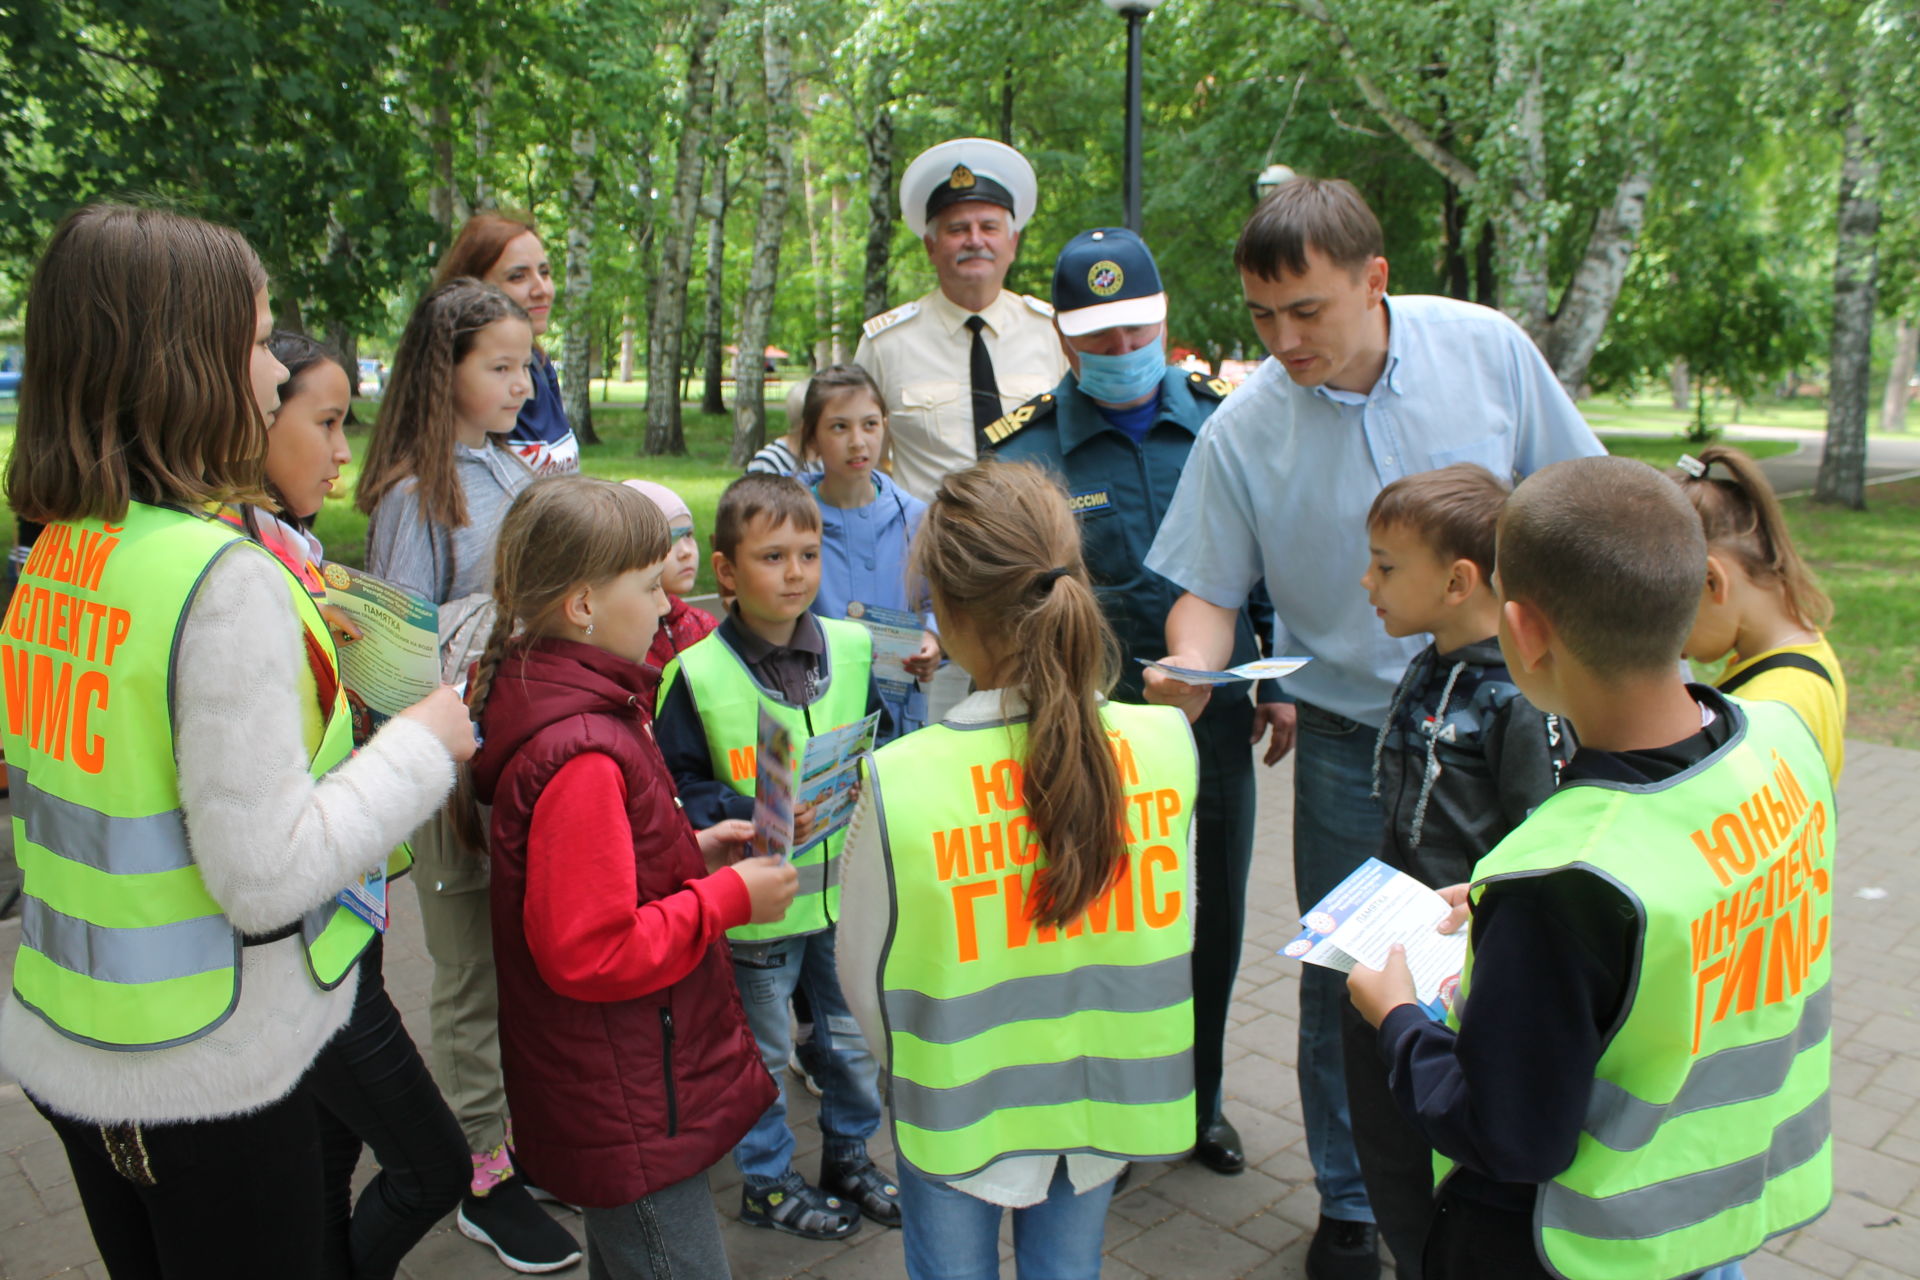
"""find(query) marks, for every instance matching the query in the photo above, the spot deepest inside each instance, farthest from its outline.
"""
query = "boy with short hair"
(813, 674)
(1633, 1079)
(1461, 760)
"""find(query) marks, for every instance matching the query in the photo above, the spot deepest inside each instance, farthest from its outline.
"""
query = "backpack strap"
(1777, 662)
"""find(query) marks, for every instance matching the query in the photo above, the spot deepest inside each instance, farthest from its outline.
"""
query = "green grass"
(1664, 451)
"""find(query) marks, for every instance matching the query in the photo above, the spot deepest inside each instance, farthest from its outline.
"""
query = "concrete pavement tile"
(1819, 1255)
(1863, 1125)
(1270, 1231)
(1773, 1266)
(1271, 1036)
(1891, 1031)
(1118, 1230)
(1302, 1208)
(1263, 1135)
(1143, 1208)
(1902, 1075)
(47, 1246)
(876, 1254)
(1192, 1249)
(1290, 1165)
(1874, 1271)
(1227, 1201)
(59, 1197)
(1889, 1100)
(1869, 1230)
(18, 1203)
(761, 1253)
(1288, 1264)
(1874, 1175)
(45, 1162)
(1113, 1269)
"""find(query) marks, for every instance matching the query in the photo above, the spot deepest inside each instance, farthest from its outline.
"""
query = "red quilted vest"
(611, 1101)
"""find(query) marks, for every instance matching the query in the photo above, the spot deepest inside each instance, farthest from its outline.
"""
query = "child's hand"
(445, 716)
(803, 820)
(345, 630)
(771, 884)
(1456, 896)
(724, 843)
(1163, 689)
(1378, 992)
(921, 665)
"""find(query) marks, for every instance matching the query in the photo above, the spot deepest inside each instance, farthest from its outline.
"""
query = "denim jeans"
(1337, 825)
(673, 1234)
(838, 1056)
(950, 1235)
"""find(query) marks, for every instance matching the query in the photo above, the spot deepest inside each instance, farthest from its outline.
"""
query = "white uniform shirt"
(921, 355)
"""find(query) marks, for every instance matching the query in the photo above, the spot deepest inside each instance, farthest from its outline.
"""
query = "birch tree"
(577, 350)
(756, 308)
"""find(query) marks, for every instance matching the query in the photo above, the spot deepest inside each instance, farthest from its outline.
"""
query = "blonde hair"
(561, 533)
(1741, 515)
(1000, 547)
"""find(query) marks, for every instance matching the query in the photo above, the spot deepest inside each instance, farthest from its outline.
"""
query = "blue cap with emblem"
(1106, 278)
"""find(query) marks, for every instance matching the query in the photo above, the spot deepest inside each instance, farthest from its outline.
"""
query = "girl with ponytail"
(628, 1063)
(1039, 837)
(1760, 606)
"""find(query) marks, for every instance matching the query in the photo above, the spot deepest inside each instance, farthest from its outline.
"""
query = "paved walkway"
(1185, 1223)
(1888, 458)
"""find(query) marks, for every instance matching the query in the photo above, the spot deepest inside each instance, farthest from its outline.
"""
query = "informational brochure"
(830, 774)
(1258, 669)
(367, 898)
(773, 789)
(896, 637)
(1371, 910)
(395, 662)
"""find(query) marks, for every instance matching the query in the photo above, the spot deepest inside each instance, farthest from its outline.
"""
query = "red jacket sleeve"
(590, 939)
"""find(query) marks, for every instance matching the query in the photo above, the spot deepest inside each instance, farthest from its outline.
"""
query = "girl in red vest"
(629, 1068)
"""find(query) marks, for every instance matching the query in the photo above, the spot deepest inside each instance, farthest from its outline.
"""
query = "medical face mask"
(1120, 379)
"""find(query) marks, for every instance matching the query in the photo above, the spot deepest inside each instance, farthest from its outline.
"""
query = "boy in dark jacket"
(1462, 759)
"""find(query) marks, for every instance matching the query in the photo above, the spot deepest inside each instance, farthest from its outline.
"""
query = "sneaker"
(800, 1073)
(798, 1208)
(508, 1221)
(1344, 1250)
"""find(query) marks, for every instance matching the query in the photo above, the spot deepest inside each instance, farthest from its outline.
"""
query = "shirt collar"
(754, 649)
(952, 316)
(1391, 378)
(1081, 419)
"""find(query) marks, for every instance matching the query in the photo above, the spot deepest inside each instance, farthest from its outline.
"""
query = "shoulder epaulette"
(887, 319)
(1003, 429)
(1044, 308)
(1212, 388)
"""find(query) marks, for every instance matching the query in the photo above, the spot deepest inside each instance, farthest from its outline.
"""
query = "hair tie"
(1693, 466)
(1046, 580)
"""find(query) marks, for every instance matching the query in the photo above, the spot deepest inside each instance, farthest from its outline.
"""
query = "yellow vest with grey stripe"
(122, 947)
(1707, 1131)
(1005, 1038)
(728, 699)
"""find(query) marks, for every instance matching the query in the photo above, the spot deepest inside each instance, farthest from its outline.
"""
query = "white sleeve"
(270, 842)
(864, 913)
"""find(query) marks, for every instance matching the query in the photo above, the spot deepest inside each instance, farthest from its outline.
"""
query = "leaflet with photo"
(773, 789)
(395, 661)
(1258, 669)
(1371, 910)
(830, 774)
(896, 638)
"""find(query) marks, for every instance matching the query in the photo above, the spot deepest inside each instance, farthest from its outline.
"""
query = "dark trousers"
(372, 1087)
(231, 1199)
(1395, 1160)
(1223, 853)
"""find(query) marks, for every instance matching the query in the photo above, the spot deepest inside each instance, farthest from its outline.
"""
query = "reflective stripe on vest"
(728, 700)
(1004, 1037)
(122, 946)
(1707, 1131)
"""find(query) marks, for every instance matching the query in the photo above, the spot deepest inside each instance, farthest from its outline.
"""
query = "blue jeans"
(950, 1235)
(1337, 825)
(839, 1059)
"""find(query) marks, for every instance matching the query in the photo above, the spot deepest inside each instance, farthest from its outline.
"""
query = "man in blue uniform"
(1117, 429)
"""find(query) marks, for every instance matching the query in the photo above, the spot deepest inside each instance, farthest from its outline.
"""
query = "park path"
(1888, 457)
(1185, 1223)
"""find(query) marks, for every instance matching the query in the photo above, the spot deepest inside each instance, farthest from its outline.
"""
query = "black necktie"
(986, 392)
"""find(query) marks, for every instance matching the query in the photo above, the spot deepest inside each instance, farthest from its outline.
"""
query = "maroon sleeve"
(590, 939)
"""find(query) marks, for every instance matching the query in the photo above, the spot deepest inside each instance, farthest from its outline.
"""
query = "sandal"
(791, 1205)
(866, 1185)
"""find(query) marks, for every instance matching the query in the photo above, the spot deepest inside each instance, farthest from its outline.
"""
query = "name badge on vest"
(1089, 502)
(368, 898)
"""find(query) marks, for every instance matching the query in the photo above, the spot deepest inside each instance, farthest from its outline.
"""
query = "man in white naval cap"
(955, 360)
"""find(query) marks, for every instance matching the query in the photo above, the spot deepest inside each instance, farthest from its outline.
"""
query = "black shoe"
(792, 1206)
(1219, 1148)
(1344, 1250)
(865, 1186)
(507, 1220)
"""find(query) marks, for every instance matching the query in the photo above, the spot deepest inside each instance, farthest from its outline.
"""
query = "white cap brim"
(1112, 315)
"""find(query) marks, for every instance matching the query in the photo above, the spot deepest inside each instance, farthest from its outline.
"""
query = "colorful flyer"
(395, 660)
(830, 775)
(773, 789)
(896, 637)
(1371, 910)
(1258, 669)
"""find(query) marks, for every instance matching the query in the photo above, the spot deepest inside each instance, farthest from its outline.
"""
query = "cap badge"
(962, 178)
(1105, 278)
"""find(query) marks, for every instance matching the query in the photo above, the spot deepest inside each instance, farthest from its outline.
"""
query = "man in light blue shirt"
(1361, 390)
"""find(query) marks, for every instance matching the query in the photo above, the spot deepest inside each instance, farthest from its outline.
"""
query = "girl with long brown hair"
(628, 1061)
(437, 482)
(187, 807)
(1036, 842)
(1761, 606)
(503, 249)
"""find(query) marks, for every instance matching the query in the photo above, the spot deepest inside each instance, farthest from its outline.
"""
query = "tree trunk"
(1524, 231)
(1006, 105)
(443, 196)
(756, 311)
(1455, 273)
(1588, 300)
(1680, 384)
(344, 340)
(836, 216)
(1906, 353)
(577, 391)
(483, 197)
(1843, 465)
(713, 397)
(626, 347)
(667, 325)
(816, 259)
(880, 209)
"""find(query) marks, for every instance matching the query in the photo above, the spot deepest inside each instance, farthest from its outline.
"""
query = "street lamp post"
(1133, 11)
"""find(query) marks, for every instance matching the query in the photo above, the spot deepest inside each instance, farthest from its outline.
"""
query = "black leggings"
(373, 1087)
(231, 1199)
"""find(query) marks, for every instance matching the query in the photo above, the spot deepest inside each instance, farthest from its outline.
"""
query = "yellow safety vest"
(122, 947)
(1006, 1038)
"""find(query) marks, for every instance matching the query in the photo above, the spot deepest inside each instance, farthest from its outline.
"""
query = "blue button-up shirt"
(1281, 479)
